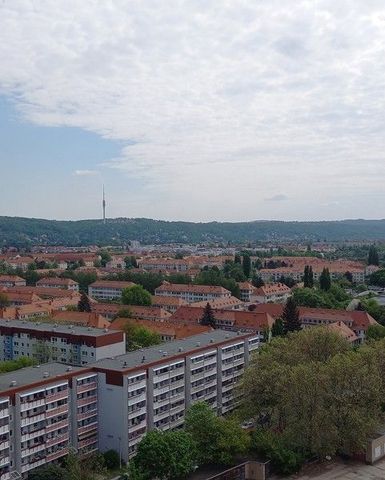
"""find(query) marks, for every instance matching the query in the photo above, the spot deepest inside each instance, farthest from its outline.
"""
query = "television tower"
(104, 207)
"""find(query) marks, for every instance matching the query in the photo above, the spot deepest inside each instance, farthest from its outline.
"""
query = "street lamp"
(120, 452)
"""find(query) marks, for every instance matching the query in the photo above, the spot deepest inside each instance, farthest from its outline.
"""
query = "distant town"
(104, 348)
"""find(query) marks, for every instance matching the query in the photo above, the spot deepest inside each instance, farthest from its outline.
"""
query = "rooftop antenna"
(104, 207)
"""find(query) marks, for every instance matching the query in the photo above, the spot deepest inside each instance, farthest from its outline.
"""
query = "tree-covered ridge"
(20, 231)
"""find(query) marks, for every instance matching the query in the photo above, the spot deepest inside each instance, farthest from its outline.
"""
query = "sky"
(201, 110)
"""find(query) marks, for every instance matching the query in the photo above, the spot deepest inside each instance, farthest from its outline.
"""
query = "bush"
(270, 445)
(111, 459)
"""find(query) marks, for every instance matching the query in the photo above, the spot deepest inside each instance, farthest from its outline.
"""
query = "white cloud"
(217, 104)
(280, 197)
(86, 173)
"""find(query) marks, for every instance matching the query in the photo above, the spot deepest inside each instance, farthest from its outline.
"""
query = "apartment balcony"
(87, 428)
(138, 426)
(55, 397)
(87, 400)
(89, 414)
(4, 445)
(4, 413)
(29, 420)
(54, 456)
(227, 387)
(177, 408)
(30, 451)
(4, 460)
(30, 466)
(160, 403)
(136, 413)
(87, 387)
(136, 385)
(137, 399)
(161, 390)
(136, 440)
(56, 411)
(31, 436)
(226, 355)
(5, 476)
(56, 426)
(179, 383)
(87, 442)
(4, 429)
(54, 441)
(33, 404)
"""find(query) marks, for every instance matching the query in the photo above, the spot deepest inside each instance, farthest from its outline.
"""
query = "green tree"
(257, 281)
(290, 316)
(11, 365)
(217, 439)
(48, 472)
(237, 258)
(378, 278)
(375, 332)
(208, 317)
(138, 336)
(324, 280)
(105, 257)
(165, 455)
(246, 264)
(318, 391)
(84, 303)
(277, 328)
(111, 459)
(42, 351)
(308, 279)
(124, 313)
(136, 295)
(373, 256)
(4, 301)
(374, 309)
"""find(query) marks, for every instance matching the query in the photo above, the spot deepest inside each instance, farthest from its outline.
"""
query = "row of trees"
(311, 394)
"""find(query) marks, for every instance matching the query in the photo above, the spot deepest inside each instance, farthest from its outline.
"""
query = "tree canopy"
(136, 295)
(312, 390)
(166, 455)
(217, 439)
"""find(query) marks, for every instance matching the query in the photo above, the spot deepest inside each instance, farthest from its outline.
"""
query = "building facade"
(46, 411)
(108, 289)
(63, 343)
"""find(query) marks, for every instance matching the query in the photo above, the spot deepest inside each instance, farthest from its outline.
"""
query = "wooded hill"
(23, 232)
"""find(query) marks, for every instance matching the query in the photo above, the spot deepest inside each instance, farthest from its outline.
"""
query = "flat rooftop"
(27, 376)
(54, 328)
(167, 350)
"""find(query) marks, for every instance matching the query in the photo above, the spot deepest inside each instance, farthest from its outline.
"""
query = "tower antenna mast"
(104, 206)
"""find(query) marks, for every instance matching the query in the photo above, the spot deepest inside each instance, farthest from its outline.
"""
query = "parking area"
(344, 471)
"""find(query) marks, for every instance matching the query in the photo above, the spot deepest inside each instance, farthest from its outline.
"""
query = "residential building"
(62, 343)
(43, 413)
(171, 304)
(358, 321)
(167, 331)
(108, 289)
(111, 404)
(11, 281)
(56, 282)
(86, 319)
(192, 293)
(228, 303)
(152, 387)
(150, 312)
(233, 320)
(274, 292)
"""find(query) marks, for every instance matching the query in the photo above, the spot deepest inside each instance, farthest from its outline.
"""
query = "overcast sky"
(195, 110)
